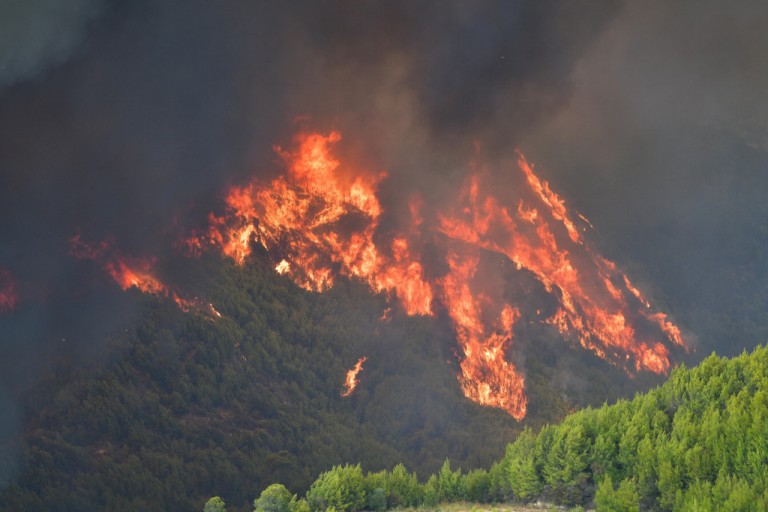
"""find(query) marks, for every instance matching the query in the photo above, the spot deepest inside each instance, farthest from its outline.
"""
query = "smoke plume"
(126, 119)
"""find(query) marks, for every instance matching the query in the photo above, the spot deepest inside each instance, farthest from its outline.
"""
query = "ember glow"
(8, 296)
(351, 381)
(319, 220)
(137, 273)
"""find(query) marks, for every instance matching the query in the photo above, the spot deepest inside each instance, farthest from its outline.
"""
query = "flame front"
(321, 220)
(130, 272)
(487, 377)
(8, 296)
(593, 294)
(351, 382)
(302, 216)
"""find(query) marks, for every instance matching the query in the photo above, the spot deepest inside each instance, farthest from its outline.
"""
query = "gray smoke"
(664, 145)
(126, 118)
(36, 35)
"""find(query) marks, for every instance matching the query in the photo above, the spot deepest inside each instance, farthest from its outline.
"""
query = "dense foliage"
(182, 406)
(697, 443)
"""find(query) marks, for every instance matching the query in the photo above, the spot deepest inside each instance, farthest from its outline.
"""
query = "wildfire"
(137, 273)
(8, 296)
(321, 220)
(487, 377)
(351, 381)
(282, 267)
(543, 239)
(302, 215)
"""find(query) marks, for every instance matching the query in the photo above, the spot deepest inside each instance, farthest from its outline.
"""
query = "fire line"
(303, 219)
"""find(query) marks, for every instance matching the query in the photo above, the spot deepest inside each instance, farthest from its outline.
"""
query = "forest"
(176, 407)
(213, 211)
(697, 443)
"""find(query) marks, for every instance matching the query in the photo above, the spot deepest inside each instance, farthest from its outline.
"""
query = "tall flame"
(351, 382)
(8, 295)
(487, 377)
(129, 272)
(320, 220)
(300, 216)
(593, 293)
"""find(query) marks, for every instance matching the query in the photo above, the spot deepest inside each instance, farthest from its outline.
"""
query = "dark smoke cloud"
(168, 102)
(127, 118)
(664, 144)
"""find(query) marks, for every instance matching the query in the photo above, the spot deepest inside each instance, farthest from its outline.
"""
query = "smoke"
(163, 104)
(10, 430)
(36, 35)
(663, 146)
(127, 118)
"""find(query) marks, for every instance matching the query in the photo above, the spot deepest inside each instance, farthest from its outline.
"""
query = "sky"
(125, 119)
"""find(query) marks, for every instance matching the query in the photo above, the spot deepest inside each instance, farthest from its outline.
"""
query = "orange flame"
(282, 267)
(351, 381)
(302, 215)
(137, 273)
(8, 297)
(487, 378)
(321, 220)
(593, 306)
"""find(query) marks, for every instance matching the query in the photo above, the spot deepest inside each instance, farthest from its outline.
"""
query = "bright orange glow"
(282, 267)
(486, 376)
(351, 381)
(543, 239)
(8, 296)
(137, 273)
(321, 220)
(302, 216)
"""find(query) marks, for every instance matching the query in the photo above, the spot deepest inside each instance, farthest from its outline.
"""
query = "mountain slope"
(697, 443)
(187, 404)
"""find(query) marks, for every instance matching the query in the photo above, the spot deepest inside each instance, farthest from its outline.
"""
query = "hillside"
(697, 443)
(185, 405)
(317, 243)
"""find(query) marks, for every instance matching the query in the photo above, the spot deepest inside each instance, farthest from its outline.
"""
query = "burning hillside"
(139, 273)
(321, 219)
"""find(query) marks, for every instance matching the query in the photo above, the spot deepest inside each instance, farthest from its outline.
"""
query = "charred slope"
(185, 405)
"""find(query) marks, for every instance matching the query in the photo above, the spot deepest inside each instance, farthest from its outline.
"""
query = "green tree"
(566, 463)
(477, 485)
(403, 488)
(645, 470)
(275, 498)
(449, 483)
(500, 489)
(623, 499)
(214, 504)
(521, 469)
(696, 498)
(343, 488)
(299, 505)
(431, 492)
(377, 500)
(375, 482)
